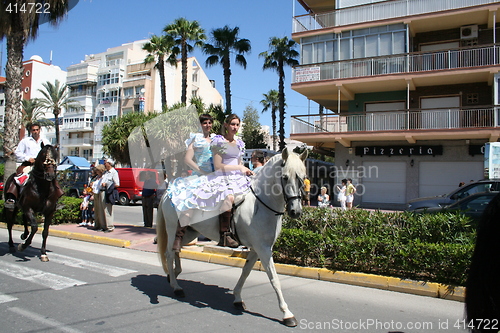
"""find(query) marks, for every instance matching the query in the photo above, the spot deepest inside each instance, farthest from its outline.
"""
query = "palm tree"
(18, 26)
(32, 112)
(56, 98)
(159, 48)
(225, 41)
(183, 32)
(281, 52)
(271, 102)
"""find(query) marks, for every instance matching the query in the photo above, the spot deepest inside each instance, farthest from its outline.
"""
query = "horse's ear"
(42, 145)
(284, 154)
(304, 154)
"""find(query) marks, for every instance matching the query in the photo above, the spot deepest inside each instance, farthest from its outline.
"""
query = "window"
(354, 44)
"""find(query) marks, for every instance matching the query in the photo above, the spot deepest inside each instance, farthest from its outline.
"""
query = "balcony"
(78, 142)
(399, 64)
(436, 119)
(77, 126)
(81, 79)
(379, 11)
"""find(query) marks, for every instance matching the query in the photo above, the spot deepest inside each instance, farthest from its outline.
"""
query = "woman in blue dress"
(199, 158)
(216, 191)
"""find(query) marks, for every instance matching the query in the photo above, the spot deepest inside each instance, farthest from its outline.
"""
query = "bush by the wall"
(429, 247)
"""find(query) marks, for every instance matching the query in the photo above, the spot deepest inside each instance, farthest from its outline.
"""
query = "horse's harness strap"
(262, 202)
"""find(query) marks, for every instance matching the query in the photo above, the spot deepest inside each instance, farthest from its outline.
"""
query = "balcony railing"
(379, 11)
(398, 121)
(81, 78)
(78, 141)
(404, 63)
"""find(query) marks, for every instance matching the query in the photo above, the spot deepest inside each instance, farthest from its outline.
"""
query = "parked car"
(485, 185)
(472, 205)
(73, 181)
(131, 183)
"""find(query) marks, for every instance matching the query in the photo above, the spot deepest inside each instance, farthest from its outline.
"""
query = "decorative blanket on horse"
(20, 180)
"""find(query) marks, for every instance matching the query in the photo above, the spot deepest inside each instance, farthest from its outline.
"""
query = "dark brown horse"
(38, 195)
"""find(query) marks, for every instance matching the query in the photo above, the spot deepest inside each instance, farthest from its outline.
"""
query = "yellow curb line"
(421, 288)
(430, 289)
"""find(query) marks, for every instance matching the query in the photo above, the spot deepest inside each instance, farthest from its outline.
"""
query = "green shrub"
(429, 247)
(67, 211)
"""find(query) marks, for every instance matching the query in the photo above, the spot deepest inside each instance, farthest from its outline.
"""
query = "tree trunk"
(14, 72)
(281, 99)
(161, 70)
(273, 117)
(227, 84)
(184, 73)
(56, 115)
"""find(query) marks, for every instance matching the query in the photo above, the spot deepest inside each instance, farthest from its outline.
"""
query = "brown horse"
(38, 195)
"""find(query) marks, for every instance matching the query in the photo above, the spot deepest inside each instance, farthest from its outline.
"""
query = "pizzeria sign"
(399, 150)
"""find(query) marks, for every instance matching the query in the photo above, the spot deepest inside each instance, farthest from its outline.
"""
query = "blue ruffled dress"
(208, 192)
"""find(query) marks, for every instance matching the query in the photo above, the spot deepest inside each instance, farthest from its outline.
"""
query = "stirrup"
(227, 240)
(10, 204)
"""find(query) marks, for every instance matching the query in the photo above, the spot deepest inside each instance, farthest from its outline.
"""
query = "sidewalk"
(141, 238)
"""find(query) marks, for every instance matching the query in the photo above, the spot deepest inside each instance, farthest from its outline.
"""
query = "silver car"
(486, 185)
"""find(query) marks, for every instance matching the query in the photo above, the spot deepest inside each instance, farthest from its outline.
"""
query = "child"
(85, 208)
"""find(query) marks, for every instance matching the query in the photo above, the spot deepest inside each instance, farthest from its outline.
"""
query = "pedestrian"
(341, 196)
(323, 198)
(99, 216)
(258, 160)
(109, 184)
(148, 197)
(85, 208)
(306, 198)
(350, 190)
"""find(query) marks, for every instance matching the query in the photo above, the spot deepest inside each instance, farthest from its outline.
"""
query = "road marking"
(6, 298)
(90, 265)
(53, 281)
(44, 320)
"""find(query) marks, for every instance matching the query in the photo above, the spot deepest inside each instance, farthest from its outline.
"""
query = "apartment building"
(110, 84)
(408, 89)
(35, 72)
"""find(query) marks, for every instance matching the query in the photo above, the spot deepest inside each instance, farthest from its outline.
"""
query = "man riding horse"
(26, 152)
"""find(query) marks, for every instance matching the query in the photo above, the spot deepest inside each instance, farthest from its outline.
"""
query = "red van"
(131, 183)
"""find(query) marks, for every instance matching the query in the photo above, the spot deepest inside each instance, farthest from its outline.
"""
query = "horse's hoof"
(20, 248)
(179, 293)
(23, 237)
(44, 258)
(290, 322)
(240, 306)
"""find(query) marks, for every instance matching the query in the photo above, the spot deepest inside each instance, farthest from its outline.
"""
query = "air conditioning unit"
(468, 31)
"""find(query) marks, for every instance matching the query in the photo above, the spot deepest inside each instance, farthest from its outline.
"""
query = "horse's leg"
(26, 231)
(267, 261)
(10, 223)
(30, 216)
(173, 263)
(45, 234)
(247, 268)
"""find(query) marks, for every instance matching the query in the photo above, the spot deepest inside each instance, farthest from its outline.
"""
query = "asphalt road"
(89, 287)
(130, 214)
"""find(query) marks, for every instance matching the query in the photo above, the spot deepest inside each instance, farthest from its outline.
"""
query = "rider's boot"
(13, 191)
(226, 236)
(179, 234)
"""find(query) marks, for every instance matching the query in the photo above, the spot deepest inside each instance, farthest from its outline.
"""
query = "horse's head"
(292, 181)
(46, 162)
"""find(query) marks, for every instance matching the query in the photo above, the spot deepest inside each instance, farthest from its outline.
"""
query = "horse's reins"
(287, 199)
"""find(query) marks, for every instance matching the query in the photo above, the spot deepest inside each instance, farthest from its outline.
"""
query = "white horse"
(276, 188)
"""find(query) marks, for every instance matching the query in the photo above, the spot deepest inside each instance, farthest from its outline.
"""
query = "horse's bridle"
(287, 199)
(49, 162)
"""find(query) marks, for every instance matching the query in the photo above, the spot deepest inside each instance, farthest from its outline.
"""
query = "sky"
(93, 26)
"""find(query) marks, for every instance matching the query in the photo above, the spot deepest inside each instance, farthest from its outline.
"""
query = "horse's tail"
(161, 236)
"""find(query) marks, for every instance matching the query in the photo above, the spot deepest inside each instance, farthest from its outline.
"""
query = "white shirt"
(29, 148)
(111, 176)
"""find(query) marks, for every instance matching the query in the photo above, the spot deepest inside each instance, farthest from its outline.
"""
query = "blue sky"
(95, 25)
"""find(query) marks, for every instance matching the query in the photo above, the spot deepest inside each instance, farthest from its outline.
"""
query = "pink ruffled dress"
(208, 192)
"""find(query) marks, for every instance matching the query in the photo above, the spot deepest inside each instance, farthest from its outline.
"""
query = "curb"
(237, 259)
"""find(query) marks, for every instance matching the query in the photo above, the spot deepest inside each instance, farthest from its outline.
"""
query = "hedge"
(427, 247)
(67, 211)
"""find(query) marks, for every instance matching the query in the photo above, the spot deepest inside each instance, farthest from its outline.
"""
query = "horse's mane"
(294, 165)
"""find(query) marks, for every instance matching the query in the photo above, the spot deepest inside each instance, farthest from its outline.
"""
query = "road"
(90, 287)
(130, 214)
